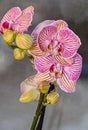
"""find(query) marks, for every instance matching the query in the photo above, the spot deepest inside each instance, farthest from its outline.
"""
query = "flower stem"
(39, 108)
(41, 119)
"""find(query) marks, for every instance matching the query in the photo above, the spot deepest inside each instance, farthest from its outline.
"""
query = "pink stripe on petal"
(35, 50)
(43, 63)
(62, 60)
(39, 27)
(70, 42)
(73, 71)
(44, 77)
(12, 15)
(66, 84)
(45, 37)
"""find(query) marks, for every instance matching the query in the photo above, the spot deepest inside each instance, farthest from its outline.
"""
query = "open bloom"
(17, 20)
(54, 37)
(65, 75)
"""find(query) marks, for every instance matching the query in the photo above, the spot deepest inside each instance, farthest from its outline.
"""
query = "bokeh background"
(71, 113)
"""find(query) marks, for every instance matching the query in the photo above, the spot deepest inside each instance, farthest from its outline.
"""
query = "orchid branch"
(39, 108)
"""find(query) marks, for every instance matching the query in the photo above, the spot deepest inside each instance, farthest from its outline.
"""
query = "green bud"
(19, 54)
(52, 98)
(24, 41)
(9, 36)
(43, 87)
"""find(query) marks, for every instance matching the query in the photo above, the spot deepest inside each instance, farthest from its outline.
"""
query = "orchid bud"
(30, 96)
(24, 41)
(55, 84)
(43, 87)
(52, 98)
(9, 36)
(19, 54)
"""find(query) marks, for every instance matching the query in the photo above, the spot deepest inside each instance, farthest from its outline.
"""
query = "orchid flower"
(17, 20)
(54, 37)
(65, 75)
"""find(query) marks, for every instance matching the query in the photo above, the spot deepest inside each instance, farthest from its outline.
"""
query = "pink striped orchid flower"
(66, 75)
(54, 37)
(17, 20)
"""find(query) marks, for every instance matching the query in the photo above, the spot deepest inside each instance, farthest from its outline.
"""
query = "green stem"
(40, 122)
(39, 108)
(41, 119)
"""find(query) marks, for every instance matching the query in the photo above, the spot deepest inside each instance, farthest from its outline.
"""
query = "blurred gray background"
(71, 113)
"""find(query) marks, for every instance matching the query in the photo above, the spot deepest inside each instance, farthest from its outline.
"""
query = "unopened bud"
(55, 84)
(19, 54)
(24, 41)
(43, 87)
(52, 98)
(30, 96)
(9, 36)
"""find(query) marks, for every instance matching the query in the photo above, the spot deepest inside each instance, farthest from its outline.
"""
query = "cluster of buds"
(51, 96)
(20, 42)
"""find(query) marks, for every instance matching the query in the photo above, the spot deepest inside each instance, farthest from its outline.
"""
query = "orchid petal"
(70, 42)
(43, 63)
(39, 27)
(60, 24)
(62, 60)
(45, 36)
(22, 23)
(46, 76)
(29, 9)
(29, 90)
(66, 84)
(28, 84)
(30, 96)
(73, 71)
(35, 50)
(12, 15)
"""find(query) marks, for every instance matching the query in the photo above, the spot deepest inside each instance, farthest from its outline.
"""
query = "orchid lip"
(55, 46)
(56, 70)
(58, 75)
